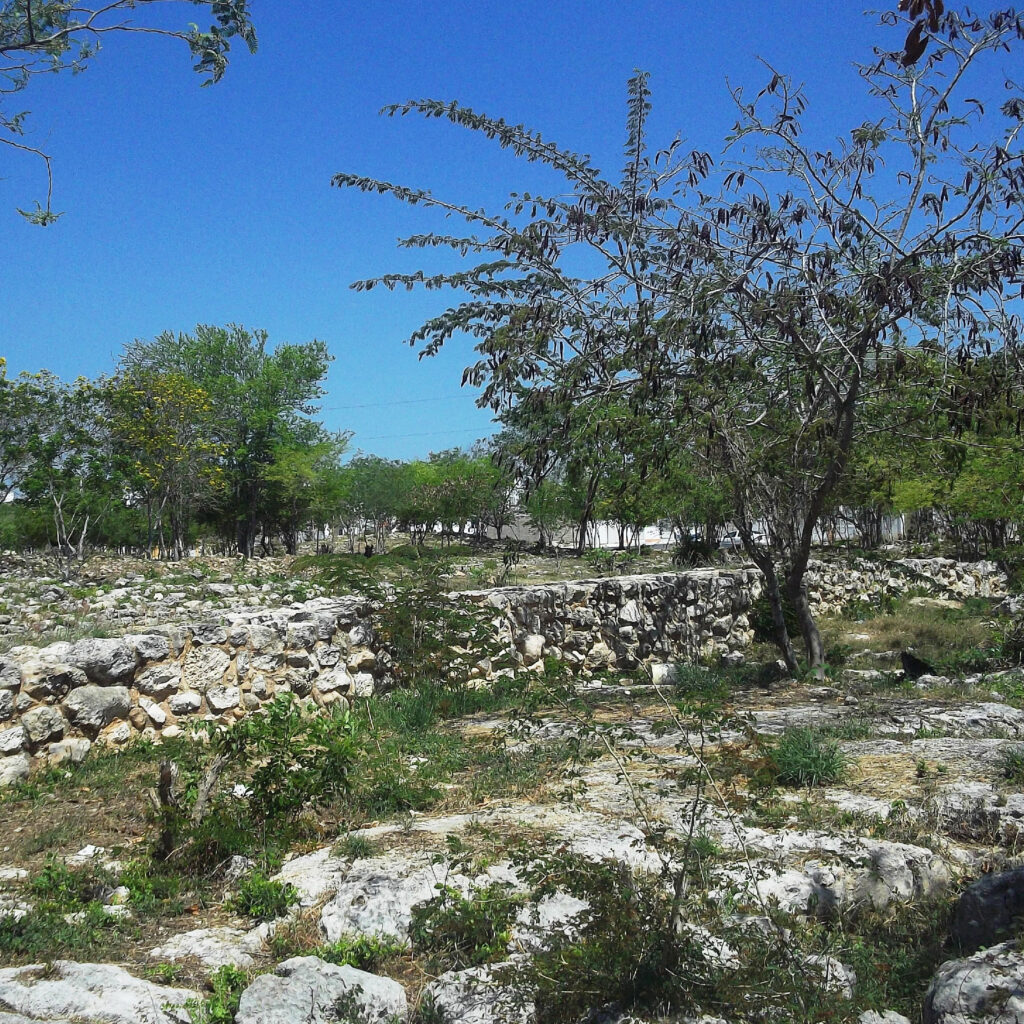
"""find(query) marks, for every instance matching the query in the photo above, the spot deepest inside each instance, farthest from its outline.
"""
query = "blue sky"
(187, 205)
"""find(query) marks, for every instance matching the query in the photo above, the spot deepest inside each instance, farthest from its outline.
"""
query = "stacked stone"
(622, 622)
(833, 586)
(56, 701)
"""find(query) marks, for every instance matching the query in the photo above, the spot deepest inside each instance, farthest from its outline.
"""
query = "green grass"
(800, 757)
(1011, 764)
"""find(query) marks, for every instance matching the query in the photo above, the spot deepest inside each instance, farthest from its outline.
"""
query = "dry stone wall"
(56, 701)
(624, 621)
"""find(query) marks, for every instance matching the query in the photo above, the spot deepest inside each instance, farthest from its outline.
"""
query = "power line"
(434, 433)
(402, 401)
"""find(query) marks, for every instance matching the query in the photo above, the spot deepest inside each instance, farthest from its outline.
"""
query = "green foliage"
(46, 933)
(801, 757)
(455, 932)
(364, 952)
(227, 984)
(354, 847)
(1011, 764)
(262, 899)
(59, 886)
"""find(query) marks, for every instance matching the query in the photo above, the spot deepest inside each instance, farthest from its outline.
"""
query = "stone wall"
(626, 620)
(833, 586)
(56, 701)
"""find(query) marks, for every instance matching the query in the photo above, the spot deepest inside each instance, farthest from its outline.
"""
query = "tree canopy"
(39, 37)
(756, 302)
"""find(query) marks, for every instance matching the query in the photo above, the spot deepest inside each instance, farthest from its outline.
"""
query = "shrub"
(1011, 764)
(262, 899)
(364, 952)
(456, 931)
(802, 758)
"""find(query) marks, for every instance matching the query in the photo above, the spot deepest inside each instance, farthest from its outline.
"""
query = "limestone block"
(73, 749)
(154, 712)
(42, 724)
(13, 739)
(301, 635)
(209, 633)
(337, 678)
(187, 703)
(159, 681)
(149, 646)
(205, 667)
(93, 707)
(44, 679)
(13, 769)
(223, 698)
(6, 705)
(10, 675)
(360, 659)
(102, 660)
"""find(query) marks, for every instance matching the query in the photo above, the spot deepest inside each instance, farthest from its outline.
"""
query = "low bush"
(263, 899)
(801, 757)
(454, 931)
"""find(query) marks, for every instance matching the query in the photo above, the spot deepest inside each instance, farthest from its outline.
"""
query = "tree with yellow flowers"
(162, 424)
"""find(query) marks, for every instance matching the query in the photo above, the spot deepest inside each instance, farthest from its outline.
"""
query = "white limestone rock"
(476, 996)
(90, 994)
(214, 947)
(377, 895)
(13, 769)
(103, 660)
(93, 707)
(308, 989)
(985, 988)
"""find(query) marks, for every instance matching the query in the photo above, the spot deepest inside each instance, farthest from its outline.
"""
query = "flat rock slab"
(89, 994)
(214, 947)
(986, 988)
(308, 990)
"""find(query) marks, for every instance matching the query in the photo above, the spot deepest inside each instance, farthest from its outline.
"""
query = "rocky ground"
(711, 848)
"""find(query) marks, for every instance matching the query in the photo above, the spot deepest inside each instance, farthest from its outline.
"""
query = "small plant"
(227, 984)
(1011, 764)
(354, 847)
(262, 899)
(364, 952)
(164, 974)
(456, 931)
(802, 758)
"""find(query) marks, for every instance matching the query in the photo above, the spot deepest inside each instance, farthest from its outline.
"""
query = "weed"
(364, 952)
(456, 931)
(354, 847)
(262, 899)
(1011, 764)
(227, 984)
(801, 758)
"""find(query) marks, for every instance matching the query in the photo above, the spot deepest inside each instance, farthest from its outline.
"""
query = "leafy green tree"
(72, 474)
(163, 426)
(305, 460)
(262, 400)
(39, 37)
(755, 298)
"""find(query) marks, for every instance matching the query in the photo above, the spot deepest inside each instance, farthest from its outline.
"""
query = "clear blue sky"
(187, 205)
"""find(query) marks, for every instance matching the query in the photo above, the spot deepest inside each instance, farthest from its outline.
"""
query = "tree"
(301, 477)
(749, 306)
(262, 400)
(71, 472)
(164, 426)
(40, 37)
